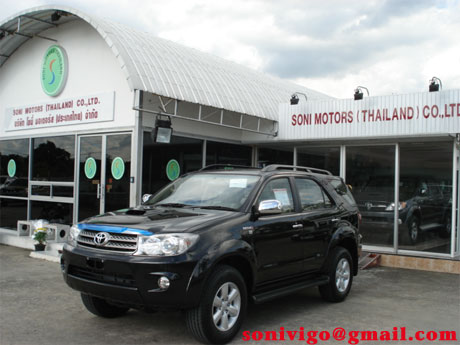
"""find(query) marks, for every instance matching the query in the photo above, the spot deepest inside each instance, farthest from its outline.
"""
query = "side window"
(280, 190)
(311, 195)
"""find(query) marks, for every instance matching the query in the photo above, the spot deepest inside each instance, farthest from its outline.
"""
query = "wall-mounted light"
(359, 92)
(162, 132)
(295, 98)
(434, 84)
(55, 16)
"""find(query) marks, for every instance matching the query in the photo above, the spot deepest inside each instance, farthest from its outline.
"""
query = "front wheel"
(414, 229)
(222, 307)
(100, 307)
(447, 229)
(340, 272)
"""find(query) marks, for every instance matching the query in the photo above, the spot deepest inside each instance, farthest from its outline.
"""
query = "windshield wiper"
(223, 208)
(172, 204)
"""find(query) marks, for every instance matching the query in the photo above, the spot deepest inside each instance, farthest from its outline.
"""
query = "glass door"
(104, 169)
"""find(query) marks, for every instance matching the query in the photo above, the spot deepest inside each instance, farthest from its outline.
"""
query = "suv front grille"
(124, 243)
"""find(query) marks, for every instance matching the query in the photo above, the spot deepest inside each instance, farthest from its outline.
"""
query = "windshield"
(207, 190)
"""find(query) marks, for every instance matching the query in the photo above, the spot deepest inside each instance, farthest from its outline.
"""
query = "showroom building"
(88, 105)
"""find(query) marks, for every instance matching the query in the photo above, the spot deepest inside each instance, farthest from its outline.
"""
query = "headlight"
(391, 207)
(73, 235)
(165, 245)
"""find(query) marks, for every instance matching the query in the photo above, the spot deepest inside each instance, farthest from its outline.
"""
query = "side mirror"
(422, 191)
(270, 207)
(146, 197)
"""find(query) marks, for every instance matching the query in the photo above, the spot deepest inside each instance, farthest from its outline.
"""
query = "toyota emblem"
(101, 238)
(368, 205)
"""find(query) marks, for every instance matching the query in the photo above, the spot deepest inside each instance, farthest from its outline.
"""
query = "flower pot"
(39, 247)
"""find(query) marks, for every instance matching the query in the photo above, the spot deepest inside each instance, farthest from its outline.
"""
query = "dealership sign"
(54, 70)
(384, 116)
(73, 111)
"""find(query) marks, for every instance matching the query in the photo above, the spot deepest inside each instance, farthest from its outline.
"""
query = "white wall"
(93, 69)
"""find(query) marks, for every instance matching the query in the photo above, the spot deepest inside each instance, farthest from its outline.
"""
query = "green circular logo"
(54, 70)
(118, 168)
(172, 169)
(11, 168)
(90, 168)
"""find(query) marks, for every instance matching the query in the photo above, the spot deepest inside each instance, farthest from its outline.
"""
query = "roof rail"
(274, 167)
(226, 167)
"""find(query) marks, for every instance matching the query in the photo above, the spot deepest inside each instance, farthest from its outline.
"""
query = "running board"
(286, 290)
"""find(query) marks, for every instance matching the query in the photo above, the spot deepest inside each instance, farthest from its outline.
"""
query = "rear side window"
(311, 195)
(342, 189)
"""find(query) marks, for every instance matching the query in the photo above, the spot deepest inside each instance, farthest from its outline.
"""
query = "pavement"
(37, 307)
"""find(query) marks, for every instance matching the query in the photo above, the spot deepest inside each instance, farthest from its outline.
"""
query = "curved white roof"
(163, 67)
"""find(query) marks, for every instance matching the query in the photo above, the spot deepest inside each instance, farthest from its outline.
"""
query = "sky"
(331, 46)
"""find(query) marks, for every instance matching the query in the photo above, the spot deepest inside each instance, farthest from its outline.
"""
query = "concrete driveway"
(37, 307)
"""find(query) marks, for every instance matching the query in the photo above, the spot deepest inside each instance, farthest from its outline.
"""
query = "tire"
(340, 273)
(101, 308)
(222, 307)
(446, 230)
(413, 230)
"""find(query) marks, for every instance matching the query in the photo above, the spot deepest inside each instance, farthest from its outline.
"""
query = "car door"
(319, 219)
(276, 238)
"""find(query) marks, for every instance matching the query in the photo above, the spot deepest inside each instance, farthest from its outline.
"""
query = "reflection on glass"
(89, 177)
(223, 153)
(53, 159)
(426, 197)
(14, 167)
(269, 156)
(207, 190)
(327, 158)
(118, 168)
(370, 173)
(12, 210)
(53, 212)
(186, 151)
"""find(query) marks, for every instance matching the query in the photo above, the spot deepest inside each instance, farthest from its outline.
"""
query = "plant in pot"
(40, 237)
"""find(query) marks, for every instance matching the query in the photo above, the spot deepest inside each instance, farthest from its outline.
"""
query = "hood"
(153, 220)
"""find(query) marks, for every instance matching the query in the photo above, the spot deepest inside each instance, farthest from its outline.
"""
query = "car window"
(311, 195)
(278, 189)
(343, 190)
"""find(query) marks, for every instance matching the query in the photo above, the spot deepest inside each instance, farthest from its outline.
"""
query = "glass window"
(370, 175)
(425, 196)
(12, 210)
(54, 212)
(269, 156)
(327, 158)
(117, 172)
(14, 167)
(311, 195)
(278, 189)
(186, 151)
(208, 190)
(53, 159)
(223, 153)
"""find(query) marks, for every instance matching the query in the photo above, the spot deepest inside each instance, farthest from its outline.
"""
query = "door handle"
(98, 190)
(297, 226)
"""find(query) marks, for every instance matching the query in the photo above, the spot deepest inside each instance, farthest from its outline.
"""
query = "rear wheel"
(100, 307)
(222, 307)
(340, 272)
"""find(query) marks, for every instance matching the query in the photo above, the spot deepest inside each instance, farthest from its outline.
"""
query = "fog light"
(163, 283)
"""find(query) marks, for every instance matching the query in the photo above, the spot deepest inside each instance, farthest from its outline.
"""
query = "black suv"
(215, 239)
(424, 205)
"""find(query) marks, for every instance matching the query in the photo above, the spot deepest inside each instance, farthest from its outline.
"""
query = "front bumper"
(132, 280)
